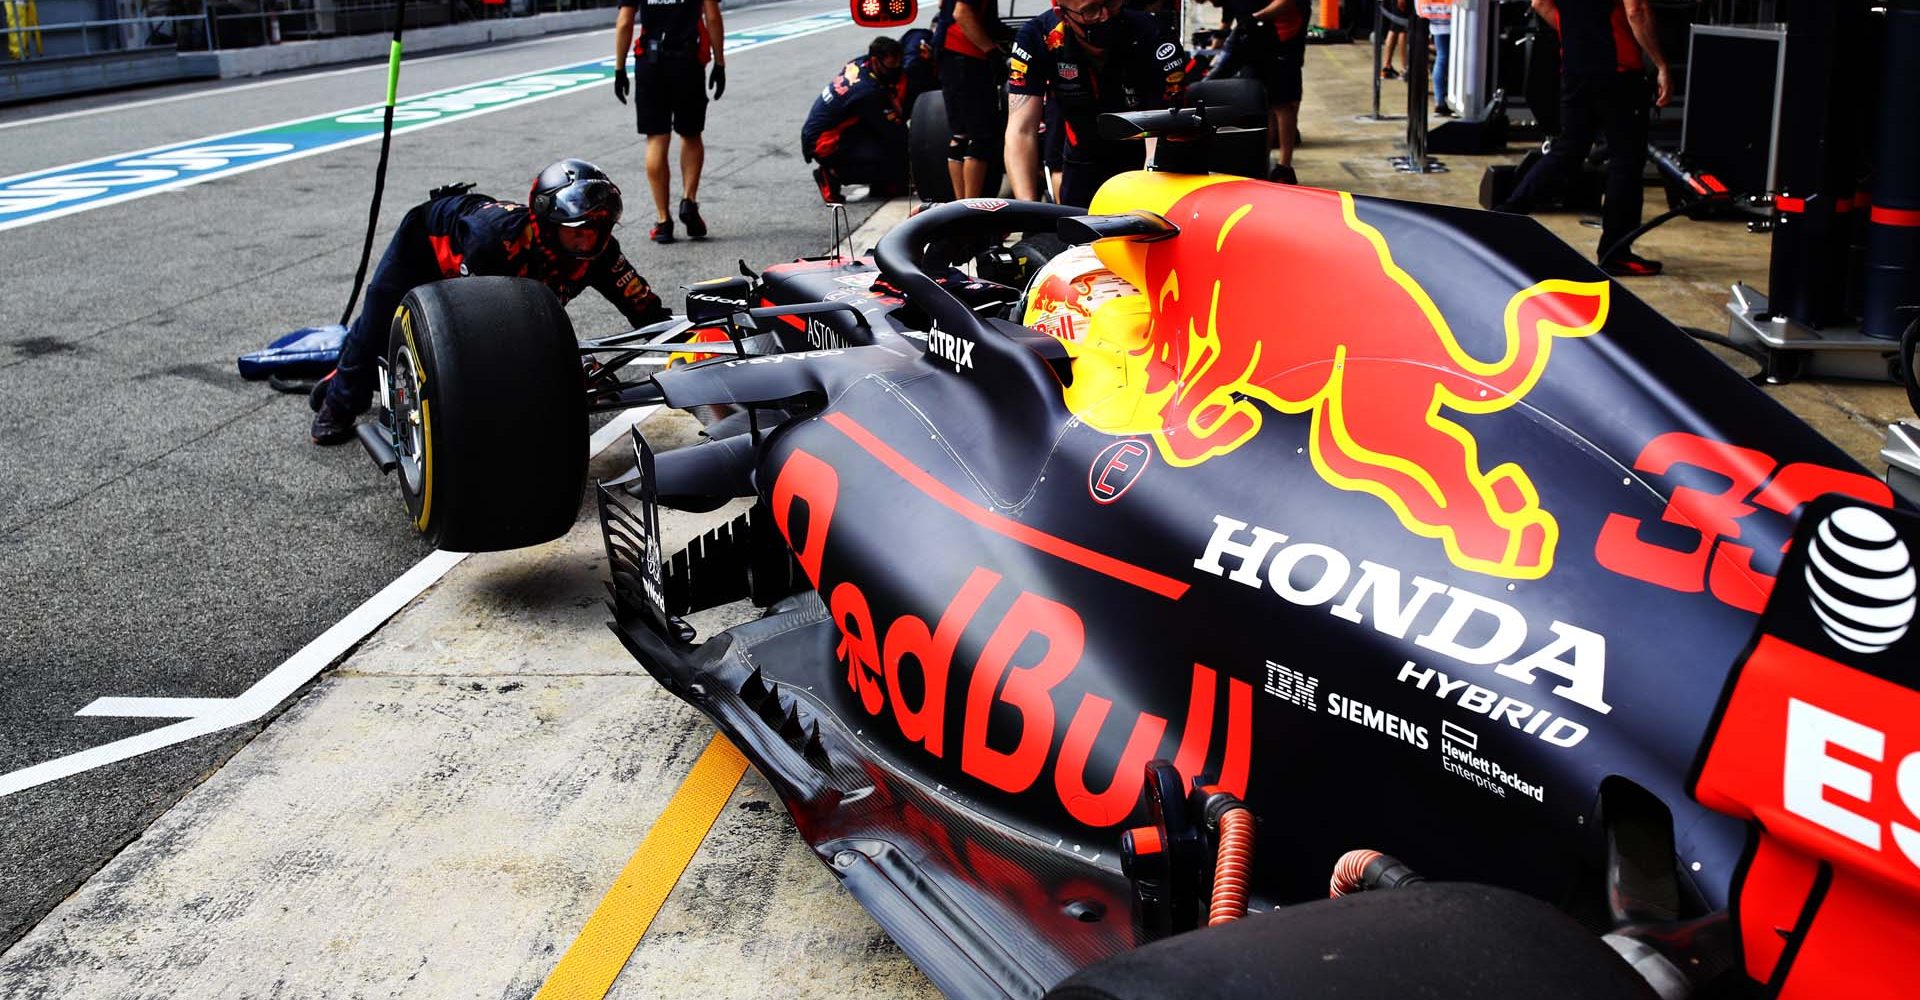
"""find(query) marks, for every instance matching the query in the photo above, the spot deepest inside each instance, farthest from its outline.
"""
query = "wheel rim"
(408, 431)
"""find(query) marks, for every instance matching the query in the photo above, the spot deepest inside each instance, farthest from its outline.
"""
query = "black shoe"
(829, 187)
(1282, 174)
(1630, 265)
(1444, 111)
(333, 424)
(690, 217)
(662, 232)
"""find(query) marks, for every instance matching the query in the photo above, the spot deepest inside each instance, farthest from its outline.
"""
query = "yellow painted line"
(597, 955)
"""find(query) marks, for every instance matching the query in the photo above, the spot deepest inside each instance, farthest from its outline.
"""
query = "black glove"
(620, 86)
(718, 80)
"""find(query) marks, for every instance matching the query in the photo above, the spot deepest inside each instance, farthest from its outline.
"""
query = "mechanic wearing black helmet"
(1091, 56)
(676, 38)
(563, 238)
(856, 133)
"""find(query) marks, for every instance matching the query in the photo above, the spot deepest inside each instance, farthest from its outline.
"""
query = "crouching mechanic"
(855, 133)
(562, 238)
(1092, 57)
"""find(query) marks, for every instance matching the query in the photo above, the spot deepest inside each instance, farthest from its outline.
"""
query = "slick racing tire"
(489, 413)
(927, 135)
(1910, 363)
(1035, 250)
(1243, 154)
(927, 147)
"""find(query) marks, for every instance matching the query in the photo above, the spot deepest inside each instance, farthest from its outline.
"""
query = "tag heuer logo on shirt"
(1069, 71)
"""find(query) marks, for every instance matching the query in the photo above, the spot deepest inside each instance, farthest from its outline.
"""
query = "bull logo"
(1055, 292)
(1352, 340)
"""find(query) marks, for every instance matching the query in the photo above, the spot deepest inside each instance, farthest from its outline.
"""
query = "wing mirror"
(884, 13)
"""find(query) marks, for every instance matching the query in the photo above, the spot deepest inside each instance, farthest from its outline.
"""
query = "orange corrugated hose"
(1348, 871)
(1232, 867)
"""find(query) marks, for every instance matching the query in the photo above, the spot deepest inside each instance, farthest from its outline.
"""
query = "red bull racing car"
(1340, 544)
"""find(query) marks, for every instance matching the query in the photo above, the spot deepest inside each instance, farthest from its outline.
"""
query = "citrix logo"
(958, 350)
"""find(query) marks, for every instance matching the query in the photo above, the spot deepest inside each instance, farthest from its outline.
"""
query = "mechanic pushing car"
(562, 237)
(856, 132)
(1093, 57)
(676, 38)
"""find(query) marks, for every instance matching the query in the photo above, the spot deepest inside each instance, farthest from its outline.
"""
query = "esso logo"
(1116, 469)
(1837, 793)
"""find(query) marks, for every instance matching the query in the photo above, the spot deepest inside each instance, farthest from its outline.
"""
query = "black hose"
(1626, 242)
(379, 171)
(1727, 342)
(1757, 355)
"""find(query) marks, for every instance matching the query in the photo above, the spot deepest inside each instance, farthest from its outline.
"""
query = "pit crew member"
(1092, 56)
(921, 70)
(676, 38)
(1269, 43)
(563, 237)
(969, 34)
(856, 132)
(1603, 92)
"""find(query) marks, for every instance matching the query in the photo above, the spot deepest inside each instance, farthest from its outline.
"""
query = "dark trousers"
(1088, 168)
(862, 157)
(1614, 105)
(408, 263)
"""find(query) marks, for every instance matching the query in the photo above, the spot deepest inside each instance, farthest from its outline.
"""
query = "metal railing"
(233, 25)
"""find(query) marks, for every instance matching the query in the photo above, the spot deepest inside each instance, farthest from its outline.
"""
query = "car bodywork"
(1398, 521)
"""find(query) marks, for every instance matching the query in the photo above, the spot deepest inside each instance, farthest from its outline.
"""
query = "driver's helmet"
(1063, 295)
(575, 205)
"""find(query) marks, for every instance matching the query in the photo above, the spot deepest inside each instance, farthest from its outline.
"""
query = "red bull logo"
(1055, 292)
(707, 335)
(1354, 342)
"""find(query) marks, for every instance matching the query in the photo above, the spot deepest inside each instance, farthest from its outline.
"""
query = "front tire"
(488, 413)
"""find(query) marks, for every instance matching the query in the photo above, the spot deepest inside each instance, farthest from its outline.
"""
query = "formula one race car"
(1358, 524)
(1093, 651)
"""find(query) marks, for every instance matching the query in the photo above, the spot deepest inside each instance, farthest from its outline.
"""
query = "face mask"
(1101, 35)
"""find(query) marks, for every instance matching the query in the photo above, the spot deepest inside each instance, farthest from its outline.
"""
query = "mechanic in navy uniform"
(856, 133)
(920, 72)
(969, 34)
(1092, 56)
(676, 38)
(562, 238)
(1603, 90)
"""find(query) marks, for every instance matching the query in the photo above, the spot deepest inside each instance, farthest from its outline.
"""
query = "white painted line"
(370, 67)
(50, 174)
(377, 65)
(203, 716)
(617, 428)
(265, 693)
(154, 708)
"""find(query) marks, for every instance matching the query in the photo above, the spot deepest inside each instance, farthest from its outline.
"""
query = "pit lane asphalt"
(166, 529)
